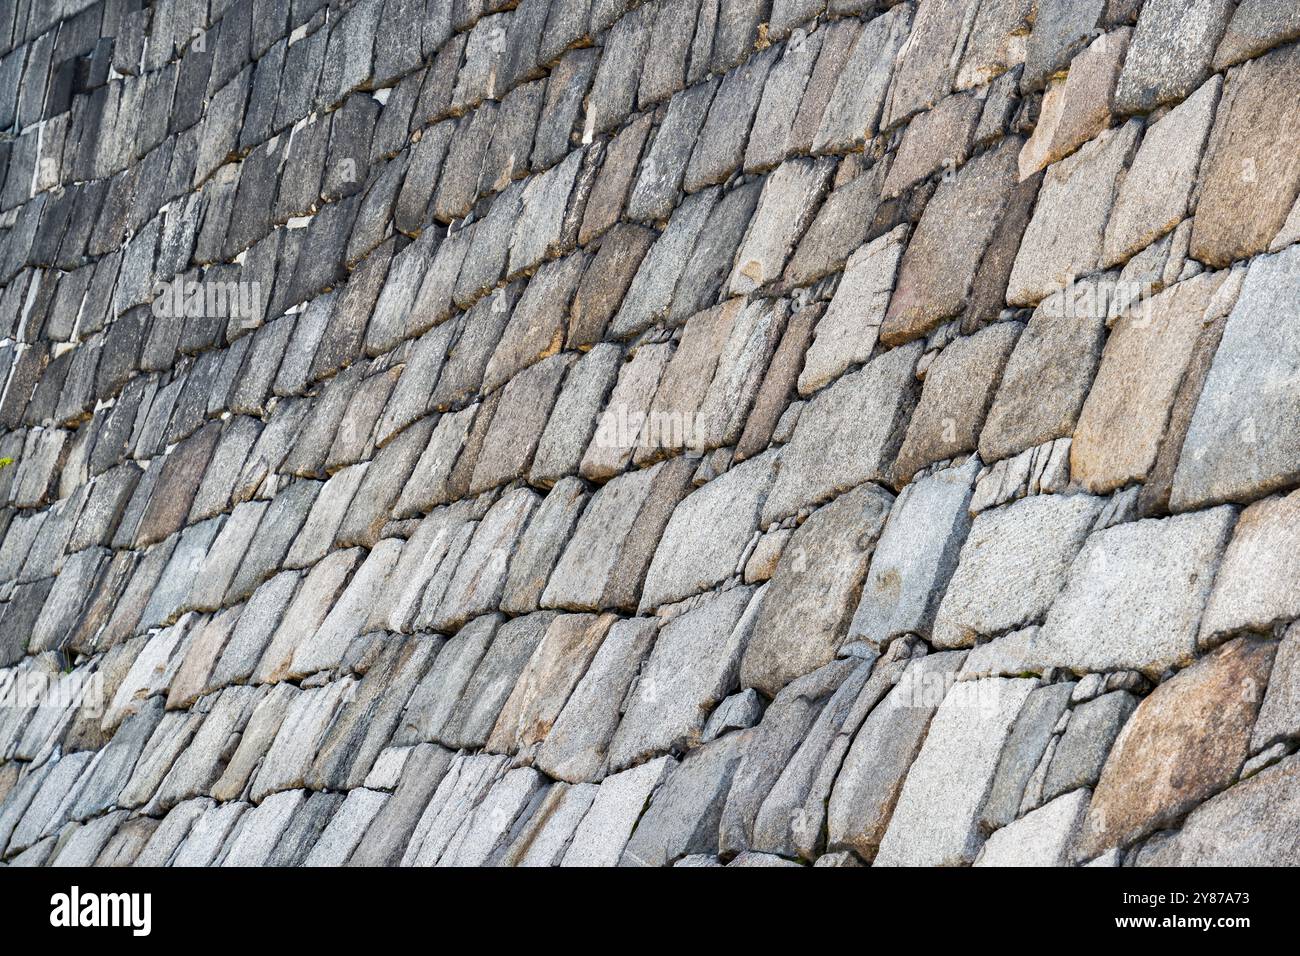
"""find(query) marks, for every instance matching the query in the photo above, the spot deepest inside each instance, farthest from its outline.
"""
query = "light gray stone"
(620, 801)
(575, 416)
(576, 747)
(201, 763)
(1082, 750)
(1242, 442)
(1065, 237)
(312, 602)
(258, 734)
(203, 844)
(545, 837)
(605, 562)
(1135, 595)
(708, 533)
(1255, 27)
(325, 648)
(260, 829)
(937, 276)
(545, 684)
(775, 741)
(915, 557)
(1031, 738)
(479, 704)
(737, 712)
(442, 686)
(466, 783)
(1047, 377)
(854, 111)
(649, 297)
(485, 835)
(346, 828)
(791, 818)
(848, 434)
(846, 334)
(683, 815)
(936, 820)
(1278, 713)
(1259, 577)
(927, 66)
(1014, 563)
(1171, 52)
(300, 734)
(1157, 191)
(541, 544)
(1042, 837)
(866, 789)
(960, 383)
(693, 666)
(480, 576)
(620, 426)
(742, 364)
(790, 197)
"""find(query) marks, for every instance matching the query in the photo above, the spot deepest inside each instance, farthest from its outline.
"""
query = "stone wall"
(683, 432)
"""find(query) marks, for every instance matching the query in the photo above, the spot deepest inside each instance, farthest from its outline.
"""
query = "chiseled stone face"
(1012, 566)
(708, 533)
(867, 787)
(1183, 744)
(936, 819)
(915, 557)
(1121, 427)
(1242, 441)
(847, 434)
(810, 599)
(939, 266)
(1171, 52)
(1135, 594)
(1049, 374)
(1155, 194)
(959, 388)
(1250, 161)
(692, 668)
(1064, 239)
(1251, 824)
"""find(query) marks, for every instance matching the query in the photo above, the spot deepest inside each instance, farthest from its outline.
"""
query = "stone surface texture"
(649, 432)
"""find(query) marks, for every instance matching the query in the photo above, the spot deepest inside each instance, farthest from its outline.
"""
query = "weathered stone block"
(1064, 239)
(848, 434)
(1184, 743)
(846, 334)
(605, 563)
(915, 557)
(809, 601)
(936, 820)
(693, 666)
(1171, 52)
(1256, 585)
(1135, 595)
(1013, 564)
(1049, 374)
(959, 387)
(1121, 427)
(708, 533)
(1156, 194)
(1250, 161)
(1243, 441)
